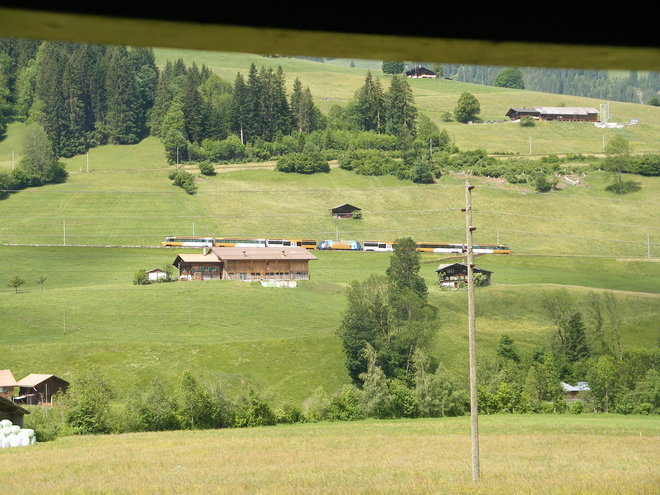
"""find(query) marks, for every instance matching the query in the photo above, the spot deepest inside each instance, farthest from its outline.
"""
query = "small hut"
(344, 211)
(11, 411)
(454, 275)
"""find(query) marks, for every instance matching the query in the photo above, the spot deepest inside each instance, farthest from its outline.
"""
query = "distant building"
(249, 264)
(156, 274)
(11, 411)
(575, 392)
(565, 114)
(7, 384)
(454, 275)
(344, 211)
(37, 388)
(421, 72)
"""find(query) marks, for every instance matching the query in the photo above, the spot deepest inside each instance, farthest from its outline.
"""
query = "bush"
(141, 278)
(206, 168)
(303, 163)
(184, 179)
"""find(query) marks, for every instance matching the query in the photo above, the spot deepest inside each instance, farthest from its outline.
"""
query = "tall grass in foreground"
(595, 454)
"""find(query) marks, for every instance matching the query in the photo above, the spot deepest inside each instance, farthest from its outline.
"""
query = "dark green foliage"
(206, 168)
(392, 67)
(15, 282)
(88, 403)
(345, 405)
(141, 277)
(391, 316)
(253, 410)
(510, 78)
(542, 183)
(506, 349)
(576, 339)
(467, 108)
(195, 408)
(183, 179)
(154, 409)
(303, 163)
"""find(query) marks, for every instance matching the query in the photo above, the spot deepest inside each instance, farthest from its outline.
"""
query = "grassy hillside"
(583, 238)
(596, 454)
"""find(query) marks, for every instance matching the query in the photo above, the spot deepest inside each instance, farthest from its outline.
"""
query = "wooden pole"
(474, 421)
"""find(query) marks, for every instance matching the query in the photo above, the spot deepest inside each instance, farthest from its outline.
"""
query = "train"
(330, 245)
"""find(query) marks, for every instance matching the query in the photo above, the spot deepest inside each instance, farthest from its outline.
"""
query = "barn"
(564, 114)
(421, 72)
(38, 388)
(11, 411)
(249, 264)
(344, 211)
(454, 275)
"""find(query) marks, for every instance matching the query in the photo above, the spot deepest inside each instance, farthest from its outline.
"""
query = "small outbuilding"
(344, 211)
(12, 411)
(454, 275)
(156, 274)
(38, 388)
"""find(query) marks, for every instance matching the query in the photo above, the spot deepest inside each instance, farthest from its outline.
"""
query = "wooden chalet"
(37, 388)
(12, 411)
(244, 263)
(7, 384)
(344, 211)
(421, 72)
(454, 275)
(565, 114)
(575, 392)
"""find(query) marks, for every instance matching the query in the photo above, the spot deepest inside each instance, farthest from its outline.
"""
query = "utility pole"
(474, 422)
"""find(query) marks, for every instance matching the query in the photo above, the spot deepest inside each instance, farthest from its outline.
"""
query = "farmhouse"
(11, 411)
(39, 388)
(575, 392)
(565, 114)
(344, 211)
(421, 72)
(7, 384)
(454, 275)
(250, 264)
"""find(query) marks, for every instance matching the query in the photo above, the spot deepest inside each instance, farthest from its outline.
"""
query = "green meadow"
(519, 454)
(90, 235)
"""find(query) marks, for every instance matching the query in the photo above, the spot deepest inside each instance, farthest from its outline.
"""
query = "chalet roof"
(447, 265)
(579, 387)
(34, 379)
(196, 258)
(419, 70)
(262, 253)
(345, 208)
(566, 110)
(6, 404)
(7, 379)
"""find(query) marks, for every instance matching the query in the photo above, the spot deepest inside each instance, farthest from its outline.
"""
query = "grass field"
(519, 454)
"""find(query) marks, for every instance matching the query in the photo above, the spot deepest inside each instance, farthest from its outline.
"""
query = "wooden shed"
(37, 388)
(454, 275)
(7, 384)
(12, 411)
(264, 263)
(344, 211)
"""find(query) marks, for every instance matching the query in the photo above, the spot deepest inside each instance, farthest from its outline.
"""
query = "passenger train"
(330, 245)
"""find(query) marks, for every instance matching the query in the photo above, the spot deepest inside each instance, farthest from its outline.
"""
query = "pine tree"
(400, 108)
(122, 118)
(368, 105)
(48, 107)
(576, 339)
(193, 109)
